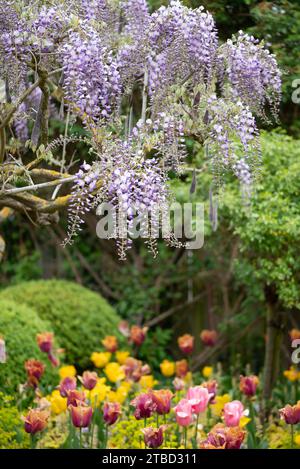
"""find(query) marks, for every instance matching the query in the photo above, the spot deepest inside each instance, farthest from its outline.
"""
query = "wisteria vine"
(140, 82)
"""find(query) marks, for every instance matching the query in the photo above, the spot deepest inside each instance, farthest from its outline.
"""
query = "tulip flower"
(100, 359)
(35, 421)
(144, 406)
(154, 437)
(67, 371)
(292, 374)
(232, 413)
(110, 343)
(181, 368)
(45, 341)
(66, 385)
(248, 385)
(167, 368)
(133, 369)
(162, 400)
(221, 437)
(138, 335)
(209, 337)
(81, 415)
(291, 414)
(186, 343)
(89, 379)
(212, 387)
(122, 356)
(184, 413)
(178, 384)
(198, 397)
(294, 334)
(124, 328)
(76, 398)
(111, 412)
(34, 370)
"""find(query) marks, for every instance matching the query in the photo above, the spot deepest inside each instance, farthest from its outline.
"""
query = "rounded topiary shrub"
(79, 317)
(19, 325)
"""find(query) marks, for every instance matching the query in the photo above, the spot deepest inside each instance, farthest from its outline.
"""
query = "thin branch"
(17, 190)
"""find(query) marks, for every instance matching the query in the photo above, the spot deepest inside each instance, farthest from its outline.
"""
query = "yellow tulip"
(121, 356)
(220, 401)
(292, 374)
(207, 371)
(114, 372)
(100, 359)
(147, 382)
(167, 368)
(67, 371)
(297, 439)
(244, 421)
(58, 403)
(99, 393)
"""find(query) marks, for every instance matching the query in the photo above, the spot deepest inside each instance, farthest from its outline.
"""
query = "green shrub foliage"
(19, 325)
(79, 317)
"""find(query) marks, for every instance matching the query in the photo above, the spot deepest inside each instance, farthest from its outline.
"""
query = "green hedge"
(19, 325)
(79, 317)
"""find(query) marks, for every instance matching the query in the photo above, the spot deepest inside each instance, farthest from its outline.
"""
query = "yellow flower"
(220, 401)
(147, 382)
(67, 371)
(121, 356)
(207, 371)
(297, 439)
(119, 395)
(167, 368)
(100, 359)
(114, 372)
(188, 377)
(99, 393)
(244, 421)
(292, 374)
(58, 403)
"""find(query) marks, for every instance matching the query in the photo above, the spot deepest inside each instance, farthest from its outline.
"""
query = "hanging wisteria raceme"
(92, 80)
(252, 72)
(141, 83)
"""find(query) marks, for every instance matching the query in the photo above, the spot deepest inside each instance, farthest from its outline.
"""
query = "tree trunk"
(275, 327)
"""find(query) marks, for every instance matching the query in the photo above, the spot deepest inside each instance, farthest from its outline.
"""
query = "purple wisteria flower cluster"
(140, 83)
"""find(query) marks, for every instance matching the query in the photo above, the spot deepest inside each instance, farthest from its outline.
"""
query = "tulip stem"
(80, 437)
(292, 436)
(185, 437)
(106, 436)
(196, 429)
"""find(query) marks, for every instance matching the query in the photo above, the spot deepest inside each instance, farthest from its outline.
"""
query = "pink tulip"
(184, 413)
(144, 406)
(198, 397)
(111, 412)
(233, 412)
(66, 385)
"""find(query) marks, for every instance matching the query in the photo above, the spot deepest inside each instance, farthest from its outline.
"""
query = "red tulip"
(248, 385)
(181, 368)
(221, 437)
(66, 385)
(111, 412)
(138, 335)
(81, 415)
(144, 406)
(186, 343)
(162, 400)
(76, 398)
(35, 370)
(154, 437)
(89, 379)
(45, 341)
(291, 414)
(35, 421)
(209, 337)
(110, 343)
